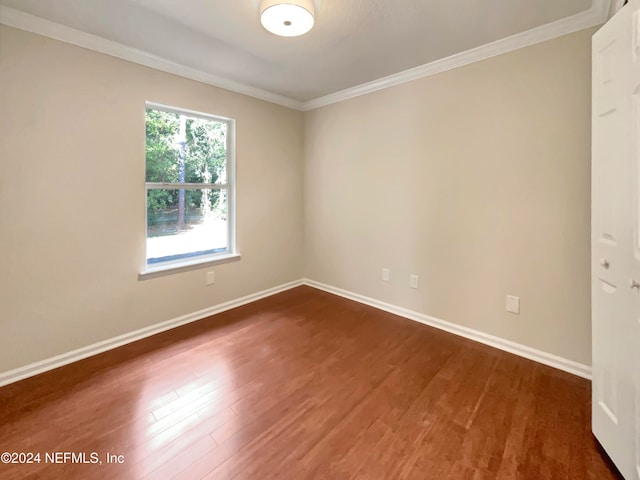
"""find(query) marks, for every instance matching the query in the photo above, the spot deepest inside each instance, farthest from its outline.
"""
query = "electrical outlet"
(414, 281)
(211, 278)
(513, 304)
(386, 274)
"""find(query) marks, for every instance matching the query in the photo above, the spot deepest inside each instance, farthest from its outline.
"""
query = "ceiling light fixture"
(287, 18)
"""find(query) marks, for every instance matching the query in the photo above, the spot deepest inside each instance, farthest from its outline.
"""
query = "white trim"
(186, 186)
(64, 359)
(615, 6)
(539, 356)
(230, 254)
(188, 113)
(231, 191)
(31, 23)
(182, 265)
(536, 355)
(596, 15)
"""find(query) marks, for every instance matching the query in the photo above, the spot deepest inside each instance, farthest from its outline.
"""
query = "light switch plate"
(211, 278)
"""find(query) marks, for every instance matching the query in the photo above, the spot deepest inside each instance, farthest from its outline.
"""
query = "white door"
(613, 410)
(634, 280)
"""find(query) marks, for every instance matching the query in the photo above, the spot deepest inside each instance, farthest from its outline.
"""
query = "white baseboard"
(545, 358)
(539, 356)
(59, 360)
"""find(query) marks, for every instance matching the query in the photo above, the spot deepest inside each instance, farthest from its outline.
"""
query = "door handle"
(605, 263)
(634, 284)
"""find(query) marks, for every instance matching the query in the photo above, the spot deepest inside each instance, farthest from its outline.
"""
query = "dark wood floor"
(304, 385)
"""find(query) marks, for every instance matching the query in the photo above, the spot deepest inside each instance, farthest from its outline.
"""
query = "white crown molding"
(596, 15)
(31, 23)
(536, 355)
(615, 6)
(37, 368)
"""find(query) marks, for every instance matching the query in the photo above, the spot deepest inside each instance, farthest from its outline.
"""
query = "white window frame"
(230, 186)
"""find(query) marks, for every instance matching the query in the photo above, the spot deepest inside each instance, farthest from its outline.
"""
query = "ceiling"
(352, 43)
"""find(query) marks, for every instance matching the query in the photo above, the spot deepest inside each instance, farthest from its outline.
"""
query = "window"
(189, 184)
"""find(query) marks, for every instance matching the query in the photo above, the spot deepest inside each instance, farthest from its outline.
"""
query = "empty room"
(320, 239)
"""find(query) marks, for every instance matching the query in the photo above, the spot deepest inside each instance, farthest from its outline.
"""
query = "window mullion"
(186, 186)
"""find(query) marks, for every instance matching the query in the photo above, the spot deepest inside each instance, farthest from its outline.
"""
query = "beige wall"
(72, 200)
(477, 180)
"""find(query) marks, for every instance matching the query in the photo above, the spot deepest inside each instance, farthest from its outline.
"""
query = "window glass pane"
(182, 148)
(185, 223)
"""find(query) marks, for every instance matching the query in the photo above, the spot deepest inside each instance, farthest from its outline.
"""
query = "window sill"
(186, 265)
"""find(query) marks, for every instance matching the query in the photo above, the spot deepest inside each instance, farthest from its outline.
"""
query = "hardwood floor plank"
(304, 385)
(182, 461)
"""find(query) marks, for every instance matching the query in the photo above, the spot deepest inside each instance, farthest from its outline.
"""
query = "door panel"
(637, 422)
(615, 119)
(634, 313)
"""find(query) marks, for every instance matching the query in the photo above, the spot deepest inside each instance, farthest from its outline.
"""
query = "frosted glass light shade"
(287, 18)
